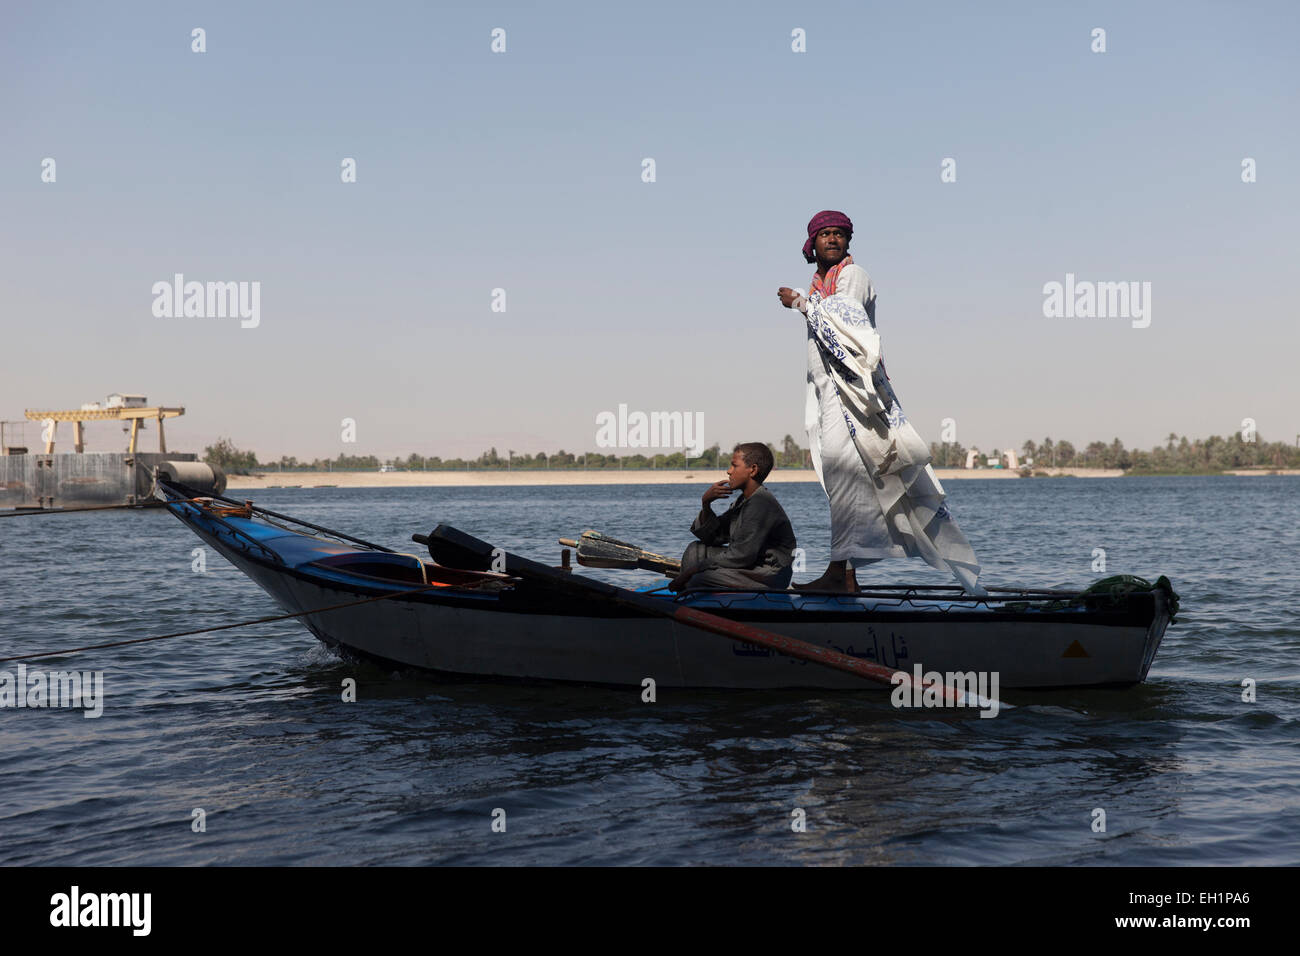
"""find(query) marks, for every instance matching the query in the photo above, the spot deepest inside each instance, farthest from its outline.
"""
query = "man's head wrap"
(823, 220)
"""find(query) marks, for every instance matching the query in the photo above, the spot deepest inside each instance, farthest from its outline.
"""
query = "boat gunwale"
(521, 599)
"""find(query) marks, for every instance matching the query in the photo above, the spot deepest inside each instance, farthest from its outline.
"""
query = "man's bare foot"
(839, 576)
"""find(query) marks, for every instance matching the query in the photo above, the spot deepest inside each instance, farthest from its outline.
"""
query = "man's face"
(831, 244)
(739, 472)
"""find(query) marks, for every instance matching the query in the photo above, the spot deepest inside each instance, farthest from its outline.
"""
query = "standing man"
(886, 501)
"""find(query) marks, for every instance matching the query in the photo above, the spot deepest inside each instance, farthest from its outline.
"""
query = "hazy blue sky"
(522, 171)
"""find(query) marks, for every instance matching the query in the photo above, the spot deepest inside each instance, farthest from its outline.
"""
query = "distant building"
(999, 459)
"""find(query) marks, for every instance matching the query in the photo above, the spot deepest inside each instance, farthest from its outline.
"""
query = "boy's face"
(739, 472)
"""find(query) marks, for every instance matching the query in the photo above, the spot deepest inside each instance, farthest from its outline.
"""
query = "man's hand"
(788, 296)
(679, 583)
(719, 489)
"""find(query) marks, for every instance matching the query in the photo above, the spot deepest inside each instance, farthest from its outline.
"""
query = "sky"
(522, 171)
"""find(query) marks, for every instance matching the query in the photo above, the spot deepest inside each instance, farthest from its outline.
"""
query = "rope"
(266, 515)
(138, 506)
(220, 627)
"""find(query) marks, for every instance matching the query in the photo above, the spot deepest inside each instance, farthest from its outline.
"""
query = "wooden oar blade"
(600, 536)
(598, 550)
(642, 553)
(589, 560)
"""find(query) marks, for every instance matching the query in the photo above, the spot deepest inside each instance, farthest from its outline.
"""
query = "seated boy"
(757, 534)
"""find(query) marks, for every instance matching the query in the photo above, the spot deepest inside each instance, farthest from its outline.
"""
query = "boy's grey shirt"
(756, 530)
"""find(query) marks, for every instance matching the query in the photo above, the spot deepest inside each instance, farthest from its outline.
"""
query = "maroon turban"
(823, 220)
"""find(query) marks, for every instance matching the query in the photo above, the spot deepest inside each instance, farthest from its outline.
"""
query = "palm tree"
(1119, 456)
(790, 451)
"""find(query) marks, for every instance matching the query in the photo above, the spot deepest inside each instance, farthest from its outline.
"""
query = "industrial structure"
(118, 408)
(82, 479)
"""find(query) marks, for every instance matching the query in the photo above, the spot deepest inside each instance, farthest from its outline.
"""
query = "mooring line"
(221, 627)
(143, 505)
(25, 512)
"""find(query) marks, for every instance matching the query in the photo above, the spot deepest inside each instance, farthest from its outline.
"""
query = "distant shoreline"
(608, 476)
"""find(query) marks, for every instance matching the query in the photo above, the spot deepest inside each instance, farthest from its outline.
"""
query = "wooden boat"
(411, 611)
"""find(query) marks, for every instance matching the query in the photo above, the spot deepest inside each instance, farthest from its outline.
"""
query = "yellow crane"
(136, 416)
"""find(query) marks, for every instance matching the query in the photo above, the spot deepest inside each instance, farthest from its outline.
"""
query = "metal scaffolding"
(136, 416)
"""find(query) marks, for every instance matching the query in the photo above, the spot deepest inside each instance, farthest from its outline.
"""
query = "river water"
(248, 726)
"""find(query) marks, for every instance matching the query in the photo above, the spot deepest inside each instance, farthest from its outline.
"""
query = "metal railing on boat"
(266, 512)
(239, 539)
(904, 592)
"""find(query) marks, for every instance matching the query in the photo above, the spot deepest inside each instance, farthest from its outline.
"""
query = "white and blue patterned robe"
(886, 501)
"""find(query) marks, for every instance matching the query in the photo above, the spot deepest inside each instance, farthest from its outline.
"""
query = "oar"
(597, 550)
(449, 546)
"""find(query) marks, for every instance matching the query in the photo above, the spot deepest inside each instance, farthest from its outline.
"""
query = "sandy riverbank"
(454, 479)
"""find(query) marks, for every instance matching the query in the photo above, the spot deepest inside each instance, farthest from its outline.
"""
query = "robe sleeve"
(748, 542)
(844, 323)
(712, 532)
(855, 285)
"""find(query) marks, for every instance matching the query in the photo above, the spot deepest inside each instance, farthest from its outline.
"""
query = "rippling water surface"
(248, 724)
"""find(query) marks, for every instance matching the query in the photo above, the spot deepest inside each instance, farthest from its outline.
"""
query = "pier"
(66, 481)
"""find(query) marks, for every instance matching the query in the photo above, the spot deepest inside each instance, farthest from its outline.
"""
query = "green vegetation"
(789, 455)
(228, 458)
(1178, 457)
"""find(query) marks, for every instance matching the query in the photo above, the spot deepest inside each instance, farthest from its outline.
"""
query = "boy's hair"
(757, 455)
